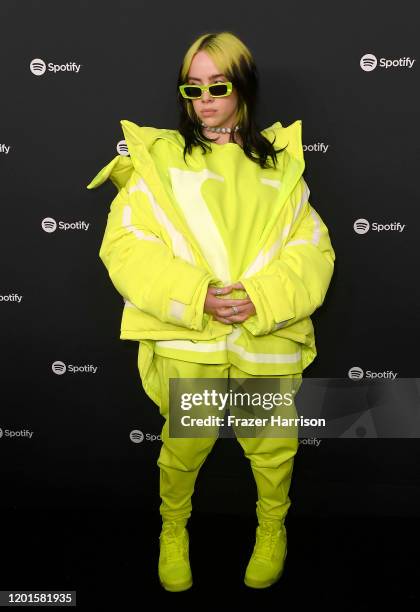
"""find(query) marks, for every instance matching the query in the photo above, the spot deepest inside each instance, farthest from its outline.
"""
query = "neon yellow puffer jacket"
(173, 229)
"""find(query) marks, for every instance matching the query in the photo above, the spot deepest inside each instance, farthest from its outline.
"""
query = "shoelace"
(267, 538)
(173, 539)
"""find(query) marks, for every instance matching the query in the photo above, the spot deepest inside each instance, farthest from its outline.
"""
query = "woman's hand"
(221, 309)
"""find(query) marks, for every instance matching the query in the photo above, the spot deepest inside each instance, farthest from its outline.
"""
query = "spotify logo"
(368, 62)
(355, 373)
(38, 66)
(136, 436)
(122, 148)
(317, 146)
(11, 297)
(49, 225)
(58, 367)
(16, 433)
(361, 226)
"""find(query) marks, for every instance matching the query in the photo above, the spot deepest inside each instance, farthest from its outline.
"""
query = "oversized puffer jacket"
(165, 242)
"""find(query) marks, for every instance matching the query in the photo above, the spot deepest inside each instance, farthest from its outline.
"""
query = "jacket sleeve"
(144, 269)
(294, 284)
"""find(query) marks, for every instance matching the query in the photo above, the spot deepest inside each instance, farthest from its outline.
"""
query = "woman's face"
(203, 72)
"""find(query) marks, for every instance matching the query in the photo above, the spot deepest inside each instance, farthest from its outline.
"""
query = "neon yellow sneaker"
(267, 560)
(174, 564)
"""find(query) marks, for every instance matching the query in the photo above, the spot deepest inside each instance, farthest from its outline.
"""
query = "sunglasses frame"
(205, 88)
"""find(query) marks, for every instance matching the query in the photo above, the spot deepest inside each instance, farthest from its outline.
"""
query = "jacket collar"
(140, 140)
(136, 136)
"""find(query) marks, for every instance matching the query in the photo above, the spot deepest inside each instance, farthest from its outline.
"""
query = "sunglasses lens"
(192, 91)
(218, 90)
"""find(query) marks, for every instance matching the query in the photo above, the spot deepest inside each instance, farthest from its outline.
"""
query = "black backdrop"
(361, 141)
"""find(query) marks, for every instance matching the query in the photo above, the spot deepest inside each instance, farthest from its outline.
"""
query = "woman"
(221, 260)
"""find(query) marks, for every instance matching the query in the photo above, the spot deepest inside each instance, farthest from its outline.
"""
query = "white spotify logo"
(38, 66)
(136, 436)
(361, 226)
(49, 224)
(368, 62)
(355, 373)
(122, 148)
(58, 367)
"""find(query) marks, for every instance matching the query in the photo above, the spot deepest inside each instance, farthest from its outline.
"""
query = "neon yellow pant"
(180, 459)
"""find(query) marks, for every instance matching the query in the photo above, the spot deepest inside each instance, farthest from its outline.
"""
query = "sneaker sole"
(175, 588)
(262, 585)
(255, 584)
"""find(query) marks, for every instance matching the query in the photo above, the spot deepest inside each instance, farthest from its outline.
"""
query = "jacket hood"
(140, 140)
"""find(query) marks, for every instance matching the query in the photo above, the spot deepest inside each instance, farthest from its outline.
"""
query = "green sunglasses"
(216, 90)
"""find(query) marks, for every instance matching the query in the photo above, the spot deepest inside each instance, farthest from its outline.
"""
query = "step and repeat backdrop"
(76, 427)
